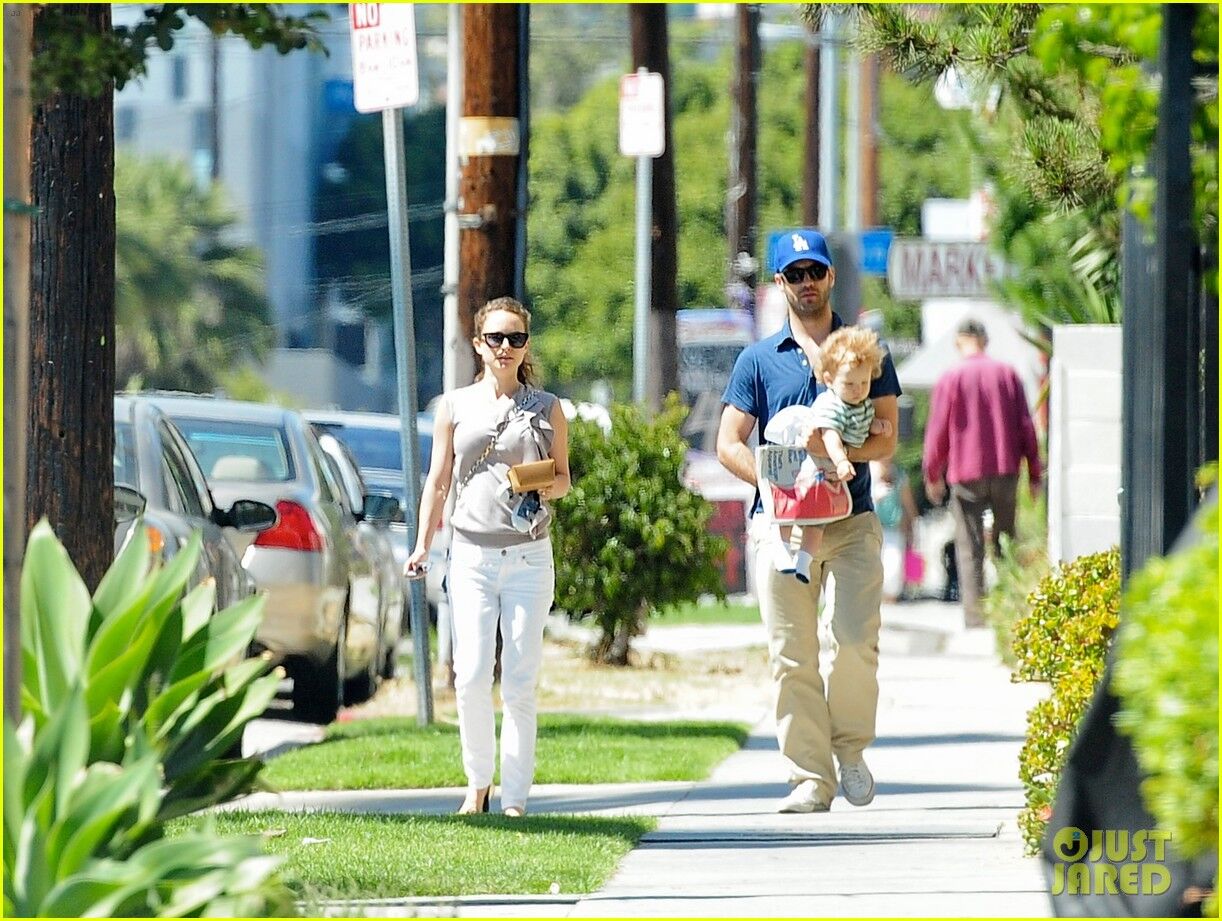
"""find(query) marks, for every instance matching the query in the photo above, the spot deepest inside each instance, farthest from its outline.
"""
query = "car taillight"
(294, 529)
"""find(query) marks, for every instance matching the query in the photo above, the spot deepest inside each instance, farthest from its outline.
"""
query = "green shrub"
(1020, 567)
(630, 538)
(1166, 677)
(129, 700)
(1062, 640)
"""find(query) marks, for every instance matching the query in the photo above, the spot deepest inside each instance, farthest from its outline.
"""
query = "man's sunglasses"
(516, 340)
(815, 272)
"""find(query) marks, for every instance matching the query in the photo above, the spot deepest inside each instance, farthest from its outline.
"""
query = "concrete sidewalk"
(939, 840)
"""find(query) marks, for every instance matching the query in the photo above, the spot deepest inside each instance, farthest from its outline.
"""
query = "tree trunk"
(17, 39)
(487, 191)
(614, 647)
(72, 320)
(650, 50)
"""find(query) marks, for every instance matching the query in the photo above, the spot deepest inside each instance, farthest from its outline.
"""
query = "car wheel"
(390, 661)
(318, 689)
(359, 688)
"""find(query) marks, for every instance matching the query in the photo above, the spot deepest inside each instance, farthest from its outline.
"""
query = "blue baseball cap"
(798, 245)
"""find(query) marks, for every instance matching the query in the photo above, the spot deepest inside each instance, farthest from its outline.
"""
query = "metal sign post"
(385, 79)
(642, 134)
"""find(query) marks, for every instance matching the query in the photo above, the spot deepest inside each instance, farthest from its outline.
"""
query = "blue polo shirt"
(774, 373)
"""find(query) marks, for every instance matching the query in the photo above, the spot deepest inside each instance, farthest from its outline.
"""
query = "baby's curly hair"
(852, 346)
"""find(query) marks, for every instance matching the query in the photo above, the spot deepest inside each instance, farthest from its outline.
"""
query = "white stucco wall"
(1084, 440)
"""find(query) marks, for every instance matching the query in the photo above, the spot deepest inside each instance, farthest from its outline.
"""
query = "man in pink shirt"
(978, 433)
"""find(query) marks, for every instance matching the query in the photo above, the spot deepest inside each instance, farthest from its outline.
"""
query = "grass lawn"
(393, 752)
(715, 613)
(343, 856)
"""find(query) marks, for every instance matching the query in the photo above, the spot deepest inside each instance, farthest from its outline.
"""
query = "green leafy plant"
(1021, 565)
(1062, 640)
(130, 699)
(1166, 677)
(630, 538)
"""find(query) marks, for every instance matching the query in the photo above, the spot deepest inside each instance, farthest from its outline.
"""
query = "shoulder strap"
(496, 433)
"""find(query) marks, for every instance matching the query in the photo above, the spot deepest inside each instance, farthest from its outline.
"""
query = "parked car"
(375, 440)
(369, 535)
(157, 475)
(323, 614)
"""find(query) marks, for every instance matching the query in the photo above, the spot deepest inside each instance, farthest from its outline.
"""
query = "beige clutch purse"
(529, 477)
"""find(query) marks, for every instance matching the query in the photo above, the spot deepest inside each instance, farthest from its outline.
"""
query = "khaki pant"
(967, 504)
(812, 725)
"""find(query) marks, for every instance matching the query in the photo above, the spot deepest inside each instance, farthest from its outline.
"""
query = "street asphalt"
(939, 840)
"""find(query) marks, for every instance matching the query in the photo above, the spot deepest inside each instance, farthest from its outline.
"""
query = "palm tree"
(190, 300)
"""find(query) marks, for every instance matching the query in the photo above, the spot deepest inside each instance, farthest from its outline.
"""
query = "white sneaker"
(805, 797)
(782, 559)
(857, 783)
(801, 566)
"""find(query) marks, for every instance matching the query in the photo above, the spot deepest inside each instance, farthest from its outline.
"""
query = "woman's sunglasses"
(516, 340)
(816, 272)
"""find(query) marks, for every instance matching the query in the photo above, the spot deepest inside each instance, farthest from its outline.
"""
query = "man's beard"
(808, 309)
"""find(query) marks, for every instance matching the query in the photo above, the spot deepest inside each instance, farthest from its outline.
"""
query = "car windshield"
(125, 455)
(378, 448)
(238, 451)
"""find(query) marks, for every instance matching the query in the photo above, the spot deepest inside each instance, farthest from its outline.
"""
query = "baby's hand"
(880, 427)
(845, 470)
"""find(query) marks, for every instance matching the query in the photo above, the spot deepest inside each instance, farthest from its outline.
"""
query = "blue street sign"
(875, 244)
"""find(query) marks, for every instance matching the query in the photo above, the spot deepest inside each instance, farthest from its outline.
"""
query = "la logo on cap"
(799, 243)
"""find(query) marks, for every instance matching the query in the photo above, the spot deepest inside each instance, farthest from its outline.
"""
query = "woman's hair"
(850, 346)
(526, 370)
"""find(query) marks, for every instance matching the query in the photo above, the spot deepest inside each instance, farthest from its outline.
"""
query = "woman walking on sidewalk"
(504, 446)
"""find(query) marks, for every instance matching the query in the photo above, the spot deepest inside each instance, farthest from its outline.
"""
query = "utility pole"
(650, 49)
(867, 141)
(488, 151)
(829, 124)
(810, 162)
(741, 219)
(18, 34)
(214, 105)
(459, 363)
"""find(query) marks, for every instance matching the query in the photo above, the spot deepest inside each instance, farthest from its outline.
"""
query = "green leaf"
(227, 635)
(198, 607)
(125, 579)
(55, 609)
(166, 705)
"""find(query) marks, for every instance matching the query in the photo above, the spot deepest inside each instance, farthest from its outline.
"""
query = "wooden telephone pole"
(741, 219)
(488, 184)
(650, 49)
(72, 319)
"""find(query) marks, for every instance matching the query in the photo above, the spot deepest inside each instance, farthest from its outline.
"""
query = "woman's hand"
(417, 564)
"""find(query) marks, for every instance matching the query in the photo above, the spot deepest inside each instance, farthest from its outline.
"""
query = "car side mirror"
(129, 503)
(247, 515)
(381, 508)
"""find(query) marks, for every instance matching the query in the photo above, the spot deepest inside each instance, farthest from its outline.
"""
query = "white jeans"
(514, 587)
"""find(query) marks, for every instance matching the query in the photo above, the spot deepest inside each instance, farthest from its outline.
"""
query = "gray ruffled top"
(483, 507)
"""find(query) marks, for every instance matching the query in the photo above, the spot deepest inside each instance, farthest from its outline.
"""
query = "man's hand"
(880, 427)
(935, 490)
(1036, 487)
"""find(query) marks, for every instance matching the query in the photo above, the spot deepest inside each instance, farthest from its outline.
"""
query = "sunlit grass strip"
(395, 753)
(715, 613)
(348, 856)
